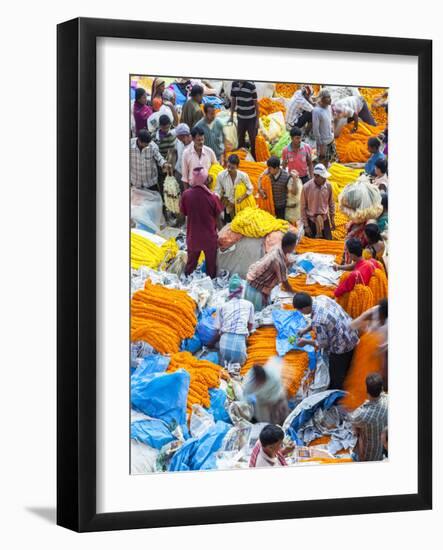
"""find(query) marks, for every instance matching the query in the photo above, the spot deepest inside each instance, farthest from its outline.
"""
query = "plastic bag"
(237, 437)
(178, 264)
(161, 396)
(192, 345)
(206, 326)
(231, 136)
(143, 458)
(321, 376)
(360, 201)
(154, 363)
(272, 126)
(147, 208)
(218, 402)
(201, 421)
(152, 432)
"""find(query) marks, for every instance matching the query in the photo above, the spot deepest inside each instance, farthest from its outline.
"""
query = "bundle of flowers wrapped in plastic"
(341, 176)
(360, 201)
(255, 222)
(353, 146)
(204, 376)
(145, 252)
(262, 346)
(162, 316)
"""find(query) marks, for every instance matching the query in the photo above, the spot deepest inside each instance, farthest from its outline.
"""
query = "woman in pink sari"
(141, 110)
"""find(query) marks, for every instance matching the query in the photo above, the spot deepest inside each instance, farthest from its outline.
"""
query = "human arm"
(260, 188)
(360, 322)
(185, 169)
(257, 111)
(331, 208)
(355, 127)
(218, 189)
(310, 164)
(233, 107)
(158, 157)
(284, 158)
(304, 211)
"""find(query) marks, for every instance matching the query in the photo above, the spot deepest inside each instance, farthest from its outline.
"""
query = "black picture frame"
(76, 273)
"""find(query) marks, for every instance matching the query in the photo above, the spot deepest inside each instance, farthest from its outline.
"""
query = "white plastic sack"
(231, 136)
(201, 421)
(322, 376)
(272, 126)
(147, 207)
(143, 458)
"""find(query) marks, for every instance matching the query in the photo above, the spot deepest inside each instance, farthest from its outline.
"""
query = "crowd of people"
(188, 142)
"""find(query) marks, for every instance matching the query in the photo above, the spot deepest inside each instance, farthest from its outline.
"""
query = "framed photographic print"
(226, 260)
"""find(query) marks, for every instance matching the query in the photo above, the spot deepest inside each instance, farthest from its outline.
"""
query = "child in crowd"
(268, 451)
(374, 148)
(381, 174)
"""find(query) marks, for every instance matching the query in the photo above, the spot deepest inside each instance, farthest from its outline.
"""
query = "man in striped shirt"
(244, 101)
(164, 137)
(145, 160)
(213, 129)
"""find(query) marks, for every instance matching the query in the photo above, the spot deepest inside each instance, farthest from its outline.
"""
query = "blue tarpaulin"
(154, 363)
(199, 454)
(152, 432)
(191, 344)
(161, 395)
(289, 323)
(306, 410)
(217, 406)
(205, 329)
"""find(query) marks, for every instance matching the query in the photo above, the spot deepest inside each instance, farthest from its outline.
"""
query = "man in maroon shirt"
(202, 209)
(361, 270)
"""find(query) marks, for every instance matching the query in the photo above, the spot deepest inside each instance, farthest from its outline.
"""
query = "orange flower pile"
(362, 297)
(379, 113)
(204, 375)
(298, 284)
(341, 222)
(321, 246)
(261, 149)
(262, 346)
(163, 317)
(241, 153)
(365, 361)
(285, 89)
(326, 460)
(353, 147)
(266, 106)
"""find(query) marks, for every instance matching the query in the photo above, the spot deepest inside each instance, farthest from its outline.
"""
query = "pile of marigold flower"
(255, 222)
(353, 147)
(298, 284)
(214, 171)
(266, 106)
(204, 376)
(286, 89)
(145, 252)
(341, 222)
(262, 346)
(321, 246)
(261, 149)
(363, 297)
(379, 113)
(162, 317)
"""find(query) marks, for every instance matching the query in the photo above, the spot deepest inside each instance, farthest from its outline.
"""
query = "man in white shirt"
(225, 185)
(197, 155)
(267, 451)
(348, 109)
(300, 108)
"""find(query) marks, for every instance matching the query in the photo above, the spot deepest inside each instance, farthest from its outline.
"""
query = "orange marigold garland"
(204, 376)
(261, 149)
(379, 113)
(267, 203)
(366, 360)
(353, 146)
(378, 284)
(262, 346)
(321, 246)
(286, 89)
(267, 106)
(162, 317)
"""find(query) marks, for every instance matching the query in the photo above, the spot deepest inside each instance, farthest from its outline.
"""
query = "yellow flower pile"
(341, 176)
(162, 317)
(249, 202)
(204, 375)
(379, 113)
(145, 252)
(341, 222)
(214, 171)
(254, 222)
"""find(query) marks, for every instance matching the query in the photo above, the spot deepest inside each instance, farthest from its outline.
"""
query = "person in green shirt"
(213, 129)
(192, 112)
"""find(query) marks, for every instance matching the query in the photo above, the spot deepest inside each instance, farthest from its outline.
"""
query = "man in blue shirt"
(374, 148)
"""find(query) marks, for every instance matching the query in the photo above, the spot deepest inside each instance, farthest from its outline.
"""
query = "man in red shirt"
(361, 270)
(202, 209)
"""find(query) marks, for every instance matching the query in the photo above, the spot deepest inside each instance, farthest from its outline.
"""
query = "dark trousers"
(326, 233)
(365, 115)
(339, 364)
(210, 260)
(280, 212)
(247, 125)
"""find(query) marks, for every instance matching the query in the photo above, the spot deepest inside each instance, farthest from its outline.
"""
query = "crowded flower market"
(259, 274)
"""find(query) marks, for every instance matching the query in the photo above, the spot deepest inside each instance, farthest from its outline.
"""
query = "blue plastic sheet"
(180, 97)
(206, 330)
(213, 100)
(306, 414)
(217, 405)
(306, 265)
(161, 395)
(154, 363)
(153, 432)
(199, 454)
(192, 345)
(289, 323)
(212, 356)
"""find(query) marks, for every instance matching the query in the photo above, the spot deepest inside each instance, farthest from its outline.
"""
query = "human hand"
(354, 129)
(262, 193)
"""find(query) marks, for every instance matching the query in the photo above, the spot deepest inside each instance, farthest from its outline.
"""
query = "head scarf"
(168, 94)
(156, 83)
(199, 178)
(235, 286)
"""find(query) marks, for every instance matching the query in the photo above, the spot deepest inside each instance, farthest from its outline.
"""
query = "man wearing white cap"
(183, 141)
(317, 205)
